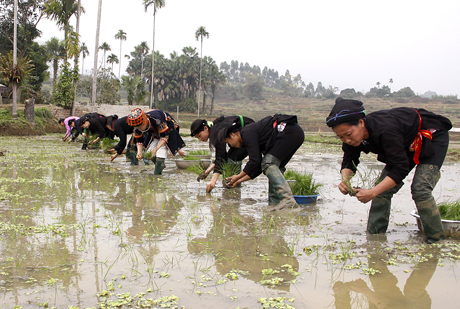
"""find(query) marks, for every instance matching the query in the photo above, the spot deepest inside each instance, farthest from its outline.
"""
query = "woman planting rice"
(270, 143)
(402, 138)
(207, 130)
(164, 135)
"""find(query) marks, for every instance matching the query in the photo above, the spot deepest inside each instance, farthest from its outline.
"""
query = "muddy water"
(78, 230)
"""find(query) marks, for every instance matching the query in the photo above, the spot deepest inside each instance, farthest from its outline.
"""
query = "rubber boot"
(425, 179)
(159, 166)
(279, 191)
(379, 214)
(85, 141)
(131, 154)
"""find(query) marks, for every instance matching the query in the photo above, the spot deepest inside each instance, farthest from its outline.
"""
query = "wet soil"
(77, 229)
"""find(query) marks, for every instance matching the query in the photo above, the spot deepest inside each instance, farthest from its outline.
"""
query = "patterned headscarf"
(345, 110)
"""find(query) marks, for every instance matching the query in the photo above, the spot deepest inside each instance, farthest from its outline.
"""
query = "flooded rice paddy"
(79, 231)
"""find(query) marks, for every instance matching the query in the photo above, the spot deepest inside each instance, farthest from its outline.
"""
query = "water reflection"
(238, 243)
(382, 291)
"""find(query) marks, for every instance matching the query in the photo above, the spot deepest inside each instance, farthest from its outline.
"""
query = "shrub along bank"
(44, 123)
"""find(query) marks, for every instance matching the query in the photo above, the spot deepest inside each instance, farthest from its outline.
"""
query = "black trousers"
(287, 142)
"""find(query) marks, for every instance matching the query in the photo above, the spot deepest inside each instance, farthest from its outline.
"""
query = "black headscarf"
(345, 110)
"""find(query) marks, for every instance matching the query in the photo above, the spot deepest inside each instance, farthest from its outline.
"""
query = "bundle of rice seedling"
(450, 210)
(201, 152)
(303, 183)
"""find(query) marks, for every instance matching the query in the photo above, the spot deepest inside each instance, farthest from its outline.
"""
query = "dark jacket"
(122, 129)
(255, 137)
(221, 146)
(390, 134)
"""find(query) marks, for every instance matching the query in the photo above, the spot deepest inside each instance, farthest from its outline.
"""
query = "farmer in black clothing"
(121, 128)
(271, 143)
(208, 130)
(164, 135)
(100, 125)
(402, 138)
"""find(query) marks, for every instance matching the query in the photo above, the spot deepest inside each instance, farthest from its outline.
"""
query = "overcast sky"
(346, 44)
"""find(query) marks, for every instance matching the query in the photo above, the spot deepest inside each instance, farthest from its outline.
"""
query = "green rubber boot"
(379, 214)
(425, 179)
(131, 154)
(159, 166)
(279, 191)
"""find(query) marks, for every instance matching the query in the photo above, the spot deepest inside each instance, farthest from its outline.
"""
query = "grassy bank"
(44, 123)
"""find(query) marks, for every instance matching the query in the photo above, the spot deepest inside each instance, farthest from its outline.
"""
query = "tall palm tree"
(200, 34)
(15, 51)
(143, 50)
(57, 52)
(84, 52)
(157, 4)
(61, 11)
(98, 30)
(121, 35)
(112, 58)
(105, 47)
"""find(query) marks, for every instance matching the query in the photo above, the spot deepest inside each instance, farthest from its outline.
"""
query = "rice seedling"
(450, 210)
(193, 158)
(303, 183)
(196, 169)
(108, 144)
(201, 152)
(228, 170)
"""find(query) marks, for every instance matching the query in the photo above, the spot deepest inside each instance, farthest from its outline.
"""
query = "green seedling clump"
(196, 169)
(108, 144)
(450, 211)
(199, 153)
(191, 158)
(303, 184)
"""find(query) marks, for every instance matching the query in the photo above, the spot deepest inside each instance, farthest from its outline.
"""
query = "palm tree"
(134, 86)
(57, 52)
(121, 35)
(61, 11)
(199, 34)
(391, 82)
(112, 58)
(143, 50)
(15, 50)
(84, 52)
(105, 47)
(157, 4)
(15, 71)
(98, 30)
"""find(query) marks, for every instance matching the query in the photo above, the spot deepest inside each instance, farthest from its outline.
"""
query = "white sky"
(346, 44)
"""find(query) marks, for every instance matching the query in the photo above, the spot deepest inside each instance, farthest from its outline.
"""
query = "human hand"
(202, 176)
(113, 156)
(182, 153)
(364, 195)
(111, 150)
(343, 188)
(139, 156)
(209, 186)
(232, 180)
